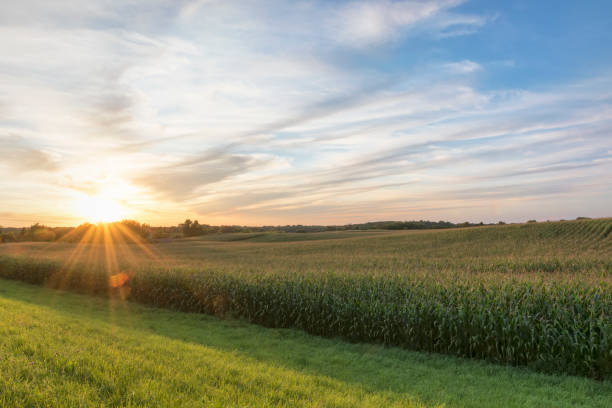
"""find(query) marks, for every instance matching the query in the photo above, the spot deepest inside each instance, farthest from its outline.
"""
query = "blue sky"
(276, 112)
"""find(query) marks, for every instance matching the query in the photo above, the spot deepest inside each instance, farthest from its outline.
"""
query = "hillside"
(60, 349)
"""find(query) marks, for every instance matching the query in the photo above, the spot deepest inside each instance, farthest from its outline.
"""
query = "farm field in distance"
(562, 248)
(534, 295)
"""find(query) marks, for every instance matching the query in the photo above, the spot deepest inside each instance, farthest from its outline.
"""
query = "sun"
(100, 209)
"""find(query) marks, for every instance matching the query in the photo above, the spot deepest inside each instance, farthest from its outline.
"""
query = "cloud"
(192, 7)
(110, 113)
(463, 67)
(18, 156)
(450, 24)
(181, 181)
(485, 150)
(432, 144)
(367, 23)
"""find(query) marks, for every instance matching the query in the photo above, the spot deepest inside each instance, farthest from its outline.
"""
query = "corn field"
(550, 309)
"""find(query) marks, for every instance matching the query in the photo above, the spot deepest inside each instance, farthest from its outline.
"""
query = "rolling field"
(562, 248)
(284, 236)
(64, 350)
(536, 295)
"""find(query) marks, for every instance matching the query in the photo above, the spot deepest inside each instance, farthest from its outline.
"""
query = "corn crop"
(563, 326)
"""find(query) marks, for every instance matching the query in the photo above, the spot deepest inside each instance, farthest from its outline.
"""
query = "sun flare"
(100, 209)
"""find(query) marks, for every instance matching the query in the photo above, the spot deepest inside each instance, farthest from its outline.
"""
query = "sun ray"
(113, 249)
(139, 242)
(74, 258)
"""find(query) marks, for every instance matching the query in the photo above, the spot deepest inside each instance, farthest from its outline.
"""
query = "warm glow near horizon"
(304, 112)
(95, 209)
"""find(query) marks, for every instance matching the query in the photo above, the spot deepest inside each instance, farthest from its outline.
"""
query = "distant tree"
(43, 234)
(141, 230)
(228, 229)
(60, 232)
(501, 223)
(196, 228)
(531, 221)
(193, 228)
(8, 237)
(187, 227)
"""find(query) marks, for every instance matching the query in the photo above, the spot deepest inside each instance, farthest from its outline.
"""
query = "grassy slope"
(59, 349)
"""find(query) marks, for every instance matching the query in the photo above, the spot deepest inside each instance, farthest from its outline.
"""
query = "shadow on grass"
(432, 379)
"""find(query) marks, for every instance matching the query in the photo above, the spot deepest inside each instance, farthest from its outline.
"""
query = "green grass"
(65, 350)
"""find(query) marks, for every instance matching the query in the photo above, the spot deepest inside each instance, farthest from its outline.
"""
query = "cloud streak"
(181, 181)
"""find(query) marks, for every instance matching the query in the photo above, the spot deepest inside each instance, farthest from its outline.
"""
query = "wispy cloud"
(463, 67)
(181, 181)
(19, 156)
(365, 23)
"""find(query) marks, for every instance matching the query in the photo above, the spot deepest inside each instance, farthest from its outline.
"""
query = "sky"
(267, 112)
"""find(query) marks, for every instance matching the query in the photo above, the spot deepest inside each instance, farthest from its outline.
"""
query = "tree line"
(193, 228)
(82, 233)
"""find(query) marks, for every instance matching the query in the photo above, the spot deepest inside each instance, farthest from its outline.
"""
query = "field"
(512, 251)
(537, 295)
(64, 350)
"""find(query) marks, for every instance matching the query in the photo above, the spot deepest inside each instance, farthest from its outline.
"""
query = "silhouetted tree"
(196, 228)
(193, 228)
(187, 227)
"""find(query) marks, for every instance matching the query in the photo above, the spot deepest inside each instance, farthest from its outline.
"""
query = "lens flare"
(118, 280)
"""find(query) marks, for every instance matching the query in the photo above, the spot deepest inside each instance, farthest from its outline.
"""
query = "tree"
(193, 228)
(187, 227)
(8, 237)
(142, 230)
(196, 228)
(43, 234)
